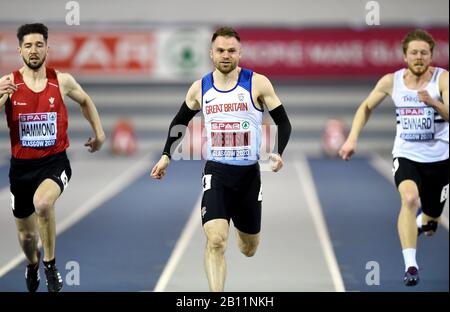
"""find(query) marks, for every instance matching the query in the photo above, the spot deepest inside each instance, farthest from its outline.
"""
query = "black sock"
(36, 264)
(49, 264)
(33, 265)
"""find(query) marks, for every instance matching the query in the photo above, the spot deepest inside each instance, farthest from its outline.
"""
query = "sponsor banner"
(183, 54)
(174, 54)
(167, 54)
(95, 54)
(331, 53)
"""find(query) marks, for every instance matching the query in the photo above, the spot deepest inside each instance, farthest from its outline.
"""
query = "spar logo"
(225, 126)
(411, 111)
(37, 117)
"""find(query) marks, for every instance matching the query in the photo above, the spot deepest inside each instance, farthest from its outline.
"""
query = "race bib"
(230, 139)
(38, 130)
(417, 123)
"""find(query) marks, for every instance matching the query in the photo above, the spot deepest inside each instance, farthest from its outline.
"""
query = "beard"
(34, 66)
(420, 71)
(225, 69)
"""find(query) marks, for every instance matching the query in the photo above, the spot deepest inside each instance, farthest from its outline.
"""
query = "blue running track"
(124, 244)
(361, 209)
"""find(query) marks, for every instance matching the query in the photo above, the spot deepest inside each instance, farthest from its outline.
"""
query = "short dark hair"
(226, 32)
(420, 35)
(35, 28)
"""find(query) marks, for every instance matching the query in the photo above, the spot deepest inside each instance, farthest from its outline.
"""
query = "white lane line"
(115, 186)
(384, 167)
(313, 203)
(182, 243)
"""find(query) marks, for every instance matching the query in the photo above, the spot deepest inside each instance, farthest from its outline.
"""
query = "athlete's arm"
(7, 87)
(266, 96)
(177, 128)
(194, 96)
(441, 108)
(73, 90)
(382, 89)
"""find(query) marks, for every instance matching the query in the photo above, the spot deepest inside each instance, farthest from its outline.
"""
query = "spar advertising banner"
(175, 54)
(167, 54)
(95, 54)
(331, 53)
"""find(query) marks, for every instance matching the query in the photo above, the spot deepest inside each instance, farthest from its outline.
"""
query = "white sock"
(409, 255)
(419, 220)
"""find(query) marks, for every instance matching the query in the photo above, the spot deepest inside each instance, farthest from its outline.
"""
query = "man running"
(232, 100)
(40, 170)
(420, 165)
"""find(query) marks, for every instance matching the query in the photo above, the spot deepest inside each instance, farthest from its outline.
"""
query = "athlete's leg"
(409, 181)
(248, 243)
(434, 196)
(247, 216)
(216, 232)
(28, 237)
(407, 228)
(44, 200)
(428, 224)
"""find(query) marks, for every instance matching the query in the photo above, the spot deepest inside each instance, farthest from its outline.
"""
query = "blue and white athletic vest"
(232, 121)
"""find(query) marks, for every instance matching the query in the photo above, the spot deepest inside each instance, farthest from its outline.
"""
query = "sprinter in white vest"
(232, 100)
(420, 153)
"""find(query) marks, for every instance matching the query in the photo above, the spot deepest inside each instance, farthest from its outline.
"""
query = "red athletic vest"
(37, 121)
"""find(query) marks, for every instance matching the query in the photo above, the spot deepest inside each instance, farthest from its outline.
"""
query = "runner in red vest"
(40, 170)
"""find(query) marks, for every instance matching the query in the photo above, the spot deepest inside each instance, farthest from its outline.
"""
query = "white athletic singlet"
(422, 134)
(232, 121)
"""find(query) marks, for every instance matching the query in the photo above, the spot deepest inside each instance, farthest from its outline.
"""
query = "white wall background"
(231, 12)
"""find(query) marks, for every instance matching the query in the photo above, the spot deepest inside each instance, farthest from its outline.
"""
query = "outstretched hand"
(277, 162)
(347, 149)
(95, 144)
(160, 169)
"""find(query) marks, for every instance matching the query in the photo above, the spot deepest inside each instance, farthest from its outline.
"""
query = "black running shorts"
(232, 192)
(431, 180)
(25, 176)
